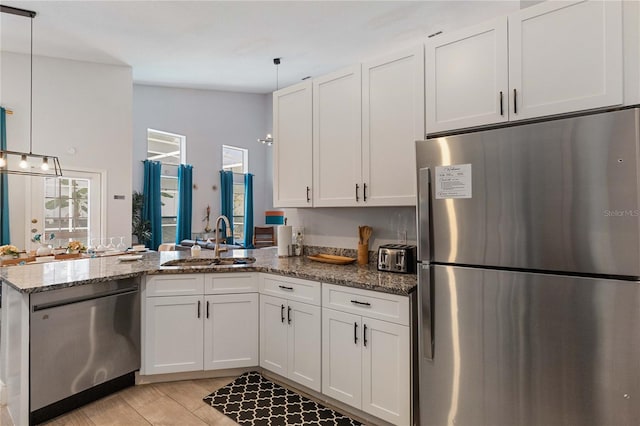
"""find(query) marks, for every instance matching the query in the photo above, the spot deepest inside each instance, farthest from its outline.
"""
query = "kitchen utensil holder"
(363, 254)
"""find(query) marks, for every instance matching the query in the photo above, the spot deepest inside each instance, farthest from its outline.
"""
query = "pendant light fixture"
(269, 139)
(28, 163)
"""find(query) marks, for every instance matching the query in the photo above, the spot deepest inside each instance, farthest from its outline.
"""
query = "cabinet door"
(173, 334)
(304, 360)
(342, 356)
(392, 120)
(292, 148)
(230, 331)
(386, 371)
(466, 77)
(273, 334)
(565, 56)
(337, 139)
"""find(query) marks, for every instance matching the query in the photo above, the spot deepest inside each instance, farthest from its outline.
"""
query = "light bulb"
(23, 162)
(45, 164)
(3, 161)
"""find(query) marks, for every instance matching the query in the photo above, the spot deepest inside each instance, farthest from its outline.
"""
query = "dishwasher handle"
(72, 300)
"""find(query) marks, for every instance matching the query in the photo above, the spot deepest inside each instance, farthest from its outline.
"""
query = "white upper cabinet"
(565, 56)
(466, 77)
(551, 58)
(337, 138)
(292, 156)
(392, 120)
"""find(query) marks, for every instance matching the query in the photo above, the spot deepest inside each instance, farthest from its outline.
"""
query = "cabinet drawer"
(372, 304)
(291, 288)
(175, 285)
(236, 282)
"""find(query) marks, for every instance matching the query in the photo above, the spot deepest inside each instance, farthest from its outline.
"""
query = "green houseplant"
(140, 228)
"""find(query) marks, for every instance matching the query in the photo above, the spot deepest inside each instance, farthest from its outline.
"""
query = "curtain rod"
(16, 11)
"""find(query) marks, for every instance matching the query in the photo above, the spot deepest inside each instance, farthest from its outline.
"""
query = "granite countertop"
(34, 278)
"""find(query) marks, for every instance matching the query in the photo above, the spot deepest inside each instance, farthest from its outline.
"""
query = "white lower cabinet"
(231, 331)
(290, 333)
(173, 340)
(366, 362)
(199, 331)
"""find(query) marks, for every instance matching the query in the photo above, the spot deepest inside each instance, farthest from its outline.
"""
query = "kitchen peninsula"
(20, 284)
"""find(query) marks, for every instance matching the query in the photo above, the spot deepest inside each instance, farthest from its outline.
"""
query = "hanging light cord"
(31, 94)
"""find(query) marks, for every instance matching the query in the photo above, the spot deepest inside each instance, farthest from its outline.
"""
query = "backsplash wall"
(338, 227)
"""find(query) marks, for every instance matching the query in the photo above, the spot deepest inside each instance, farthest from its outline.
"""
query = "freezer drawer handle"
(282, 314)
(284, 287)
(361, 303)
(355, 333)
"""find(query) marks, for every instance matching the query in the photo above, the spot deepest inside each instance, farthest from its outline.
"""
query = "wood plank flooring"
(172, 403)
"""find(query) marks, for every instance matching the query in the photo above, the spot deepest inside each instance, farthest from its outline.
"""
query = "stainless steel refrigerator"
(529, 292)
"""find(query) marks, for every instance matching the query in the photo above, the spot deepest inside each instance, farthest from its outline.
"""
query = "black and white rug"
(253, 400)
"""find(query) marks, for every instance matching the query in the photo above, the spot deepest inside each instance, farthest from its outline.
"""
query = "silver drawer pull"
(284, 287)
(361, 303)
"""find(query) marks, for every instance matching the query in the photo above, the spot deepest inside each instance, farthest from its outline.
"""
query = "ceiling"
(230, 45)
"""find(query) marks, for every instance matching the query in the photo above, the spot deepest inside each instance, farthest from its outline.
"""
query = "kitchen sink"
(194, 262)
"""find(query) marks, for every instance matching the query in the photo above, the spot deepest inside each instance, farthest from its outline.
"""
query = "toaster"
(397, 258)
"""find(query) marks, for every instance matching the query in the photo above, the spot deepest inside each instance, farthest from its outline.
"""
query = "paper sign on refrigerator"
(453, 181)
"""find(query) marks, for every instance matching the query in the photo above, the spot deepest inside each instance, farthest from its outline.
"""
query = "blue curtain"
(5, 238)
(248, 210)
(152, 208)
(185, 185)
(226, 201)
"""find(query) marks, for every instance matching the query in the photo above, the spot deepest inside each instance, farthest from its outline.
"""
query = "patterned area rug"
(253, 400)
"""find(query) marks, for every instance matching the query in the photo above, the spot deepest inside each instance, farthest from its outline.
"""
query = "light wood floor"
(173, 403)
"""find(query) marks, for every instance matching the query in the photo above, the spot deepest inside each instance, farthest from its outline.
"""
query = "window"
(168, 148)
(66, 208)
(237, 160)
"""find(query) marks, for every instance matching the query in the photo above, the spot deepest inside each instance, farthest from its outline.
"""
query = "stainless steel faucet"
(216, 250)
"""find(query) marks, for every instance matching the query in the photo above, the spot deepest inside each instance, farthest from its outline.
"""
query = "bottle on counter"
(195, 249)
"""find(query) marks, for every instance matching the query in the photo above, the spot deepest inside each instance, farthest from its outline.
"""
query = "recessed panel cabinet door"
(565, 56)
(392, 120)
(173, 338)
(337, 139)
(466, 77)
(230, 331)
(273, 334)
(292, 148)
(342, 356)
(386, 376)
(304, 344)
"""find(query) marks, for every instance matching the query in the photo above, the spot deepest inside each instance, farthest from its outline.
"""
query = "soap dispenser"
(195, 249)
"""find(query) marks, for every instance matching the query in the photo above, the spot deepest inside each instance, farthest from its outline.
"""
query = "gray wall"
(208, 119)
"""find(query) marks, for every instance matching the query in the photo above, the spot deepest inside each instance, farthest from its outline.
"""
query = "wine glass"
(101, 245)
(121, 245)
(91, 248)
(111, 246)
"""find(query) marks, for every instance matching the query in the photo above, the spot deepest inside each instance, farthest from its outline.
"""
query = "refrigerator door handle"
(426, 311)
(424, 213)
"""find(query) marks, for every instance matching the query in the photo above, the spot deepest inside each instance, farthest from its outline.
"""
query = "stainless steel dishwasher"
(82, 338)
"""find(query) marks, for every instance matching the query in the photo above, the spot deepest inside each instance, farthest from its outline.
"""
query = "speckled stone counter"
(49, 276)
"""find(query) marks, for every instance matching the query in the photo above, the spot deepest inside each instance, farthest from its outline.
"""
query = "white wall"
(208, 119)
(79, 105)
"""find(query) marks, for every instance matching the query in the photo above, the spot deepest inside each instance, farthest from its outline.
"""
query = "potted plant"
(140, 228)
